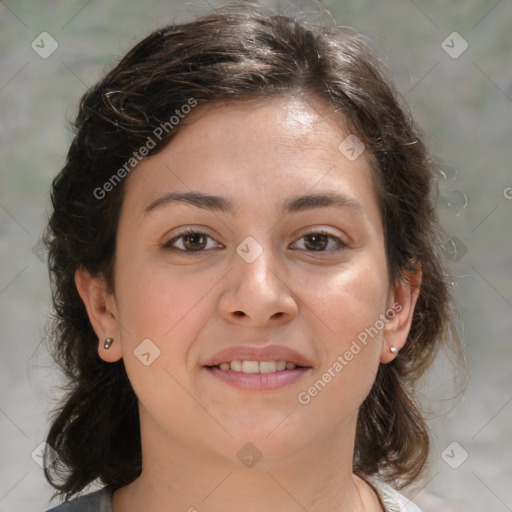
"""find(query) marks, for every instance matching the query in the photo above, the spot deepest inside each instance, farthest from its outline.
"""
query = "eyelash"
(168, 245)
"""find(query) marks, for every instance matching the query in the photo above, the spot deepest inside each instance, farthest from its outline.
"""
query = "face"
(252, 274)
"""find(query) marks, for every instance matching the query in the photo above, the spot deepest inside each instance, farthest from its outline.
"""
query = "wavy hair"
(226, 56)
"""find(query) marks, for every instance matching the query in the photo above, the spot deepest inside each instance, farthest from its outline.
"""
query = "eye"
(319, 240)
(193, 241)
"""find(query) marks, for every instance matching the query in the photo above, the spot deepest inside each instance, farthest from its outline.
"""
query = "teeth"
(236, 366)
(268, 366)
(257, 366)
(250, 367)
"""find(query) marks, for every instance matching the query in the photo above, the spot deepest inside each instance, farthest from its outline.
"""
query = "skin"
(316, 301)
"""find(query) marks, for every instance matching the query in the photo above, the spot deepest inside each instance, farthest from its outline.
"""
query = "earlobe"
(400, 314)
(101, 311)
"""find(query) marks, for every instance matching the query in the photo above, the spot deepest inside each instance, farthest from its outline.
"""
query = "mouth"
(258, 375)
(257, 366)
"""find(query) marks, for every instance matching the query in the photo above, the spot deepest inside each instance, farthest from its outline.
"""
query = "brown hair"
(236, 55)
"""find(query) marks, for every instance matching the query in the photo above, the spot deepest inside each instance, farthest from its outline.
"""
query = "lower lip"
(259, 381)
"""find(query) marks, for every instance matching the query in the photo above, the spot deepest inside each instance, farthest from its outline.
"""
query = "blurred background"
(451, 61)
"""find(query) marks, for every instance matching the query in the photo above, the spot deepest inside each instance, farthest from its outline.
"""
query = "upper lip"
(251, 353)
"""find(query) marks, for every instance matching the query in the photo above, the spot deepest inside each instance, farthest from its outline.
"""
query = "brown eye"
(188, 241)
(193, 241)
(318, 241)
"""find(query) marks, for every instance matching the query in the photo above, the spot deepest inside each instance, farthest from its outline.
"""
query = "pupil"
(193, 237)
(315, 238)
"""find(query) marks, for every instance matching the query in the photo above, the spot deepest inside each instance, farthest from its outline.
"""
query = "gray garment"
(101, 501)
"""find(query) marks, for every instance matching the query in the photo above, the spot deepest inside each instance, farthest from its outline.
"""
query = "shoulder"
(98, 501)
(392, 499)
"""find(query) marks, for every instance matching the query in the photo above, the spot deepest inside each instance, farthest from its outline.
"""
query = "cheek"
(158, 311)
(154, 297)
(168, 306)
(351, 326)
(358, 304)
(352, 300)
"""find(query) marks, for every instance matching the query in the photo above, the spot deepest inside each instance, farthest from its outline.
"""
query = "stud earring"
(394, 350)
(108, 343)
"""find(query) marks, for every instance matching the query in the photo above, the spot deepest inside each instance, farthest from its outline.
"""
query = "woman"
(247, 274)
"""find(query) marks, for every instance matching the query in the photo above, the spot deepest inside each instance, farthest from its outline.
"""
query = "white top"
(392, 500)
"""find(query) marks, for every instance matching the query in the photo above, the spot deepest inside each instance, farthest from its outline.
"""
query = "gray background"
(464, 105)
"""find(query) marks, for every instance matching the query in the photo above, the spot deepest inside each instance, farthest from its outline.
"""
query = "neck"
(177, 477)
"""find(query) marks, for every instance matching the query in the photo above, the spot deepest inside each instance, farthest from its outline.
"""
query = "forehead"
(292, 121)
(278, 146)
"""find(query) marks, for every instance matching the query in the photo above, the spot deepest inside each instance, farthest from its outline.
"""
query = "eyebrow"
(293, 204)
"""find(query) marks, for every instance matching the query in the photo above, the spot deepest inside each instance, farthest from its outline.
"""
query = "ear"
(400, 312)
(102, 313)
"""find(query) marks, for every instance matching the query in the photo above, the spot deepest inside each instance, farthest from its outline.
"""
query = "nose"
(258, 291)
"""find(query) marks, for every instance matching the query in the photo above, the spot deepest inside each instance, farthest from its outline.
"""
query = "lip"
(251, 353)
(258, 381)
